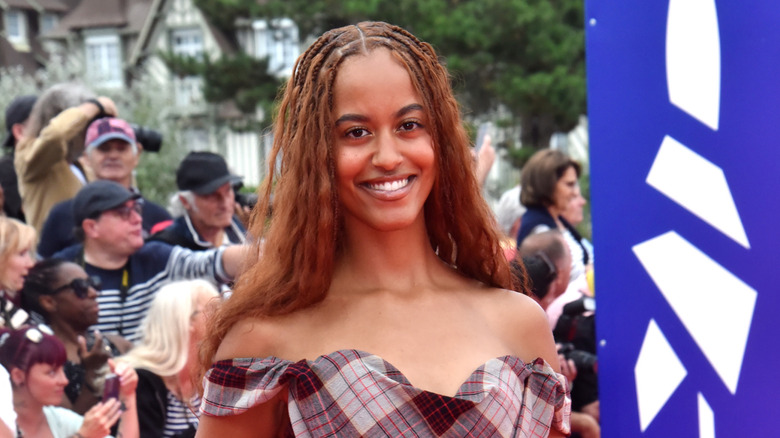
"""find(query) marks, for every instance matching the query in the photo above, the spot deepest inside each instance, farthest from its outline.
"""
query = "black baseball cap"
(17, 112)
(203, 173)
(98, 197)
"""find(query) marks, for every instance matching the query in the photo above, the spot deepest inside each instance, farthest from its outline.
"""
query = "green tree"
(526, 57)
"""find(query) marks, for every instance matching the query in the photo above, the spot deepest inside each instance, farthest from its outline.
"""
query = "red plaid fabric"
(350, 393)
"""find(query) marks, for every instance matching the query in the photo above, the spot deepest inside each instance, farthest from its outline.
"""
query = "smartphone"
(485, 128)
(111, 388)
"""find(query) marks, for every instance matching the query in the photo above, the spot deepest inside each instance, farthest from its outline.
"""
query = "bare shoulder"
(250, 337)
(523, 326)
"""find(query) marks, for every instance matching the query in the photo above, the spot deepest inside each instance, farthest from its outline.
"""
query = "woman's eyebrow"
(361, 118)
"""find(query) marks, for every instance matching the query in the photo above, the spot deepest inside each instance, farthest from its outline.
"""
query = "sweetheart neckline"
(539, 361)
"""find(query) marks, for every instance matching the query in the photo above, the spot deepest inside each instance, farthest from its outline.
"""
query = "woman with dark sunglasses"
(60, 294)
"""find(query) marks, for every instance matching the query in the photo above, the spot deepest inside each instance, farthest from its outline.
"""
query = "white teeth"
(389, 186)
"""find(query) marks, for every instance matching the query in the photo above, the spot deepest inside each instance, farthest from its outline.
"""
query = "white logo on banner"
(687, 277)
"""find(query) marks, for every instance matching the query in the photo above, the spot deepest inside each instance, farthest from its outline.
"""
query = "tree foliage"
(524, 56)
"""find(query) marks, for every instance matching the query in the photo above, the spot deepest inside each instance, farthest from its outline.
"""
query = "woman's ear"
(17, 377)
(48, 303)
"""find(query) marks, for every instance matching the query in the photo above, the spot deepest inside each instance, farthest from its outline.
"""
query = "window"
(187, 90)
(15, 28)
(48, 21)
(187, 42)
(104, 62)
(279, 42)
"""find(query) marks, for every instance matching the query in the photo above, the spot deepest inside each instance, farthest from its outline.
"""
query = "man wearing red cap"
(112, 153)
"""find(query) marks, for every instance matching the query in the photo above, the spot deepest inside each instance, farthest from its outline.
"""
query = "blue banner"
(684, 114)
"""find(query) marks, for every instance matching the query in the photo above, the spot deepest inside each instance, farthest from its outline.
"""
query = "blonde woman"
(17, 241)
(166, 357)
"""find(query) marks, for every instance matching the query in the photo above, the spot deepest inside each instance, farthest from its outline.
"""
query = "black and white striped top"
(153, 266)
(180, 418)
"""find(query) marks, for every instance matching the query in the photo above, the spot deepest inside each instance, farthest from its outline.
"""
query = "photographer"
(112, 153)
(46, 157)
(207, 198)
(547, 259)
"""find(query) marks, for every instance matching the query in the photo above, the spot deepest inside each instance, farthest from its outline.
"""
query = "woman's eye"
(357, 133)
(409, 126)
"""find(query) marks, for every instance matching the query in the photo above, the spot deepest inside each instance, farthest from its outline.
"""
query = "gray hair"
(509, 209)
(176, 207)
(53, 101)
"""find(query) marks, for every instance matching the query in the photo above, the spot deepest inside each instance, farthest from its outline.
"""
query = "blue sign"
(684, 114)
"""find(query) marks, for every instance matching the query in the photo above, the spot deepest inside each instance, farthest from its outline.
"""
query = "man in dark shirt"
(208, 200)
(112, 153)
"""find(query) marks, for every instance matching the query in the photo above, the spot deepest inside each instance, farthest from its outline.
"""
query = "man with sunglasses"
(109, 225)
(112, 154)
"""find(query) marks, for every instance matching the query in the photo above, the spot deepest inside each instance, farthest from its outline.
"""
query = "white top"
(7, 413)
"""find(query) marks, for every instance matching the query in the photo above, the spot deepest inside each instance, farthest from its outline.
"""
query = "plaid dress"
(350, 393)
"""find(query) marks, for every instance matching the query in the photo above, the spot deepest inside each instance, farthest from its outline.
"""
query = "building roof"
(9, 57)
(127, 15)
(36, 5)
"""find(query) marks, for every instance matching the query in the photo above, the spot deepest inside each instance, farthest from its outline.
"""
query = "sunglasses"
(125, 211)
(81, 286)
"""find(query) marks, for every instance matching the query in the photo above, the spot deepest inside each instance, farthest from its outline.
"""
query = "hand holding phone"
(111, 387)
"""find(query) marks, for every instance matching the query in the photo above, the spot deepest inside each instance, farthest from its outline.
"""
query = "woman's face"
(46, 383)
(385, 164)
(77, 312)
(15, 269)
(566, 189)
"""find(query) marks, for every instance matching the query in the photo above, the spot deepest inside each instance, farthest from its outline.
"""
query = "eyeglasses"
(81, 286)
(124, 211)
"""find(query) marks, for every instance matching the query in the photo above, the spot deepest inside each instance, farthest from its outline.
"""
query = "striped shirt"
(179, 417)
(150, 268)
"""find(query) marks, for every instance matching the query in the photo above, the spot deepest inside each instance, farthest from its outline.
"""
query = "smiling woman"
(34, 359)
(381, 269)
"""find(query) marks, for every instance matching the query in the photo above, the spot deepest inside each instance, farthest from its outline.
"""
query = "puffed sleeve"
(231, 387)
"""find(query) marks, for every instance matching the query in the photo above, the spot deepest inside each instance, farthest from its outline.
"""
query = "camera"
(576, 333)
(150, 139)
(582, 359)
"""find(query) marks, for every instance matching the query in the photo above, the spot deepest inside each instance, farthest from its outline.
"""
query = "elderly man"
(108, 217)
(112, 153)
(207, 197)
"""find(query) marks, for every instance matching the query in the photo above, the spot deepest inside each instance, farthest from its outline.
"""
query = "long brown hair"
(303, 239)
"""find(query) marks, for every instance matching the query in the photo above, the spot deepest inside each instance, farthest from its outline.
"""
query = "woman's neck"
(69, 336)
(400, 260)
(29, 415)
(556, 215)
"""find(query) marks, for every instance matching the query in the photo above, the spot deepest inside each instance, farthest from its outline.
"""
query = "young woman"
(379, 306)
(60, 294)
(167, 356)
(35, 361)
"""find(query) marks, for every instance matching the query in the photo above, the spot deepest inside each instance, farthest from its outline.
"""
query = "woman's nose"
(387, 155)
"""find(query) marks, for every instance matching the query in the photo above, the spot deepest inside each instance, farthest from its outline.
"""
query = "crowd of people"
(382, 269)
